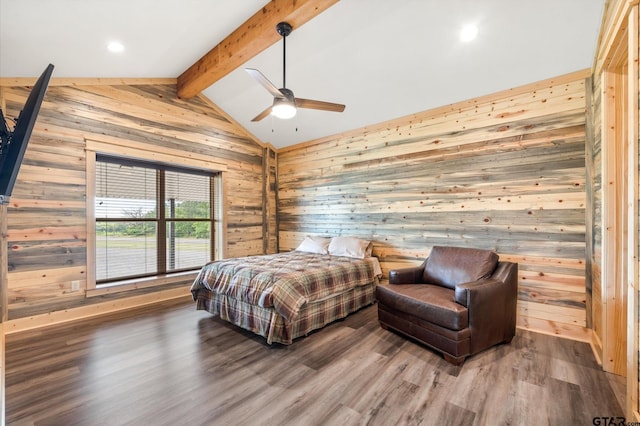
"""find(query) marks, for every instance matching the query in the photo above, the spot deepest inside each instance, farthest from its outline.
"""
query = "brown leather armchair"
(460, 301)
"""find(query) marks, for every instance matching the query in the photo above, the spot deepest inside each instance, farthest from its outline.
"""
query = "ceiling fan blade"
(264, 82)
(262, 115)
(324, 106)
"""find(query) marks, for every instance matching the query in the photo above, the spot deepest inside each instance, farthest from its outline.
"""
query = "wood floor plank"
(169, 364)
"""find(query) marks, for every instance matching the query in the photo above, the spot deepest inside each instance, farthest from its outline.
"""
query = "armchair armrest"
(463, 291)
(492, 305)
(412, 275)
(506, 273)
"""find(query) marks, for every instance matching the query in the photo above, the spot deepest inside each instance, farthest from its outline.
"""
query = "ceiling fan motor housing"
(288, 94)
(284, 29)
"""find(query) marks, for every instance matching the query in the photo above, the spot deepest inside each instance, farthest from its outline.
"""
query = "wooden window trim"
(128, 149)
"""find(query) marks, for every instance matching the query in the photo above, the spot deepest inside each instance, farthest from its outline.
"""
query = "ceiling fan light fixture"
(283, 108)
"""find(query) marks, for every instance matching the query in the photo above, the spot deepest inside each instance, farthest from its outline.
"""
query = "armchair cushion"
(448, 266)
(426, 302)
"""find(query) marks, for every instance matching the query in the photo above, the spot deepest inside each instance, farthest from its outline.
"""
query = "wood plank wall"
(505, 172)
(47, 215)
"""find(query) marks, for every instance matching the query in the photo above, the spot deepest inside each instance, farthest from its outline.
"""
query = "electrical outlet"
(75, 285)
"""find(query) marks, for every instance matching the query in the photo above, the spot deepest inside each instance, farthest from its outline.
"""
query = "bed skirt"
(268, 323)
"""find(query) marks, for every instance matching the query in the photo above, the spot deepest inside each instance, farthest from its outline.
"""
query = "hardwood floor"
(172, 365)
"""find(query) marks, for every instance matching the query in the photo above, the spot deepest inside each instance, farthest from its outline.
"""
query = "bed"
(287, 295)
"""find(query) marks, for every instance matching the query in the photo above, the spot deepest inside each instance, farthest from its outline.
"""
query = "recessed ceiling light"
(115, 47)
(468, 32)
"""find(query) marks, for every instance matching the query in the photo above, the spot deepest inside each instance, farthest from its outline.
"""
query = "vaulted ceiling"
(383, 59)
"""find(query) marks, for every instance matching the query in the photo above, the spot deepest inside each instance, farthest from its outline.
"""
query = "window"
(151, 219)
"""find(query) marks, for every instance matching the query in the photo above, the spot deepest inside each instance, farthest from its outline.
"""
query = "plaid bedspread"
(284, 281)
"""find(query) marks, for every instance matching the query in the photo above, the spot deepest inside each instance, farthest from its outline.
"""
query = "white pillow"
(314, 244)
(349, 246)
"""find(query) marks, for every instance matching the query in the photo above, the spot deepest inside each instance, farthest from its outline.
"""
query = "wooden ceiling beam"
(251, 38)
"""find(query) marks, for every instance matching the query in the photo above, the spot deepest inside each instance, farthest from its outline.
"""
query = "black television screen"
(14, 144)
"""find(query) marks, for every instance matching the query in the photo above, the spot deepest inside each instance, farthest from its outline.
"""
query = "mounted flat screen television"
(14, 144)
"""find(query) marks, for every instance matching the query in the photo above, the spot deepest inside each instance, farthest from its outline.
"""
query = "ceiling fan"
(285, 103)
